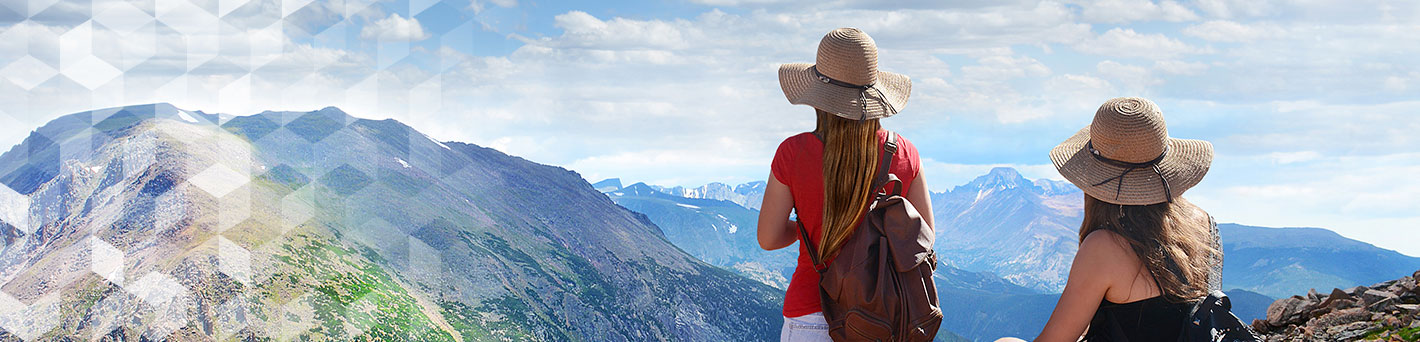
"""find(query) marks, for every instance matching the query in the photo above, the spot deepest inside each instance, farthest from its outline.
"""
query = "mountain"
(1278, 262)
(1248, 305)
(716, 231)
(748, 195)
(1007, 243)
(608, 185)
(1004, 224)
(155, 222)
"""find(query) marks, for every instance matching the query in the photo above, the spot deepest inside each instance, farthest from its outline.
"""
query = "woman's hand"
(776, 230)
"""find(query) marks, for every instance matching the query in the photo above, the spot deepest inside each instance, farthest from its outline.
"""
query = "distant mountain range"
(714, 230)
(1007, 243)
(152, 222)
(1004, 224)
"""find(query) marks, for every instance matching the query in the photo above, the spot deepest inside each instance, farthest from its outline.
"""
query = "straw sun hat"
(1126, 156)
(845, 79)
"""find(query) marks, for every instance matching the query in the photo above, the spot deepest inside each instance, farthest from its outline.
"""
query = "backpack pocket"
(860, 325)
(925, 328)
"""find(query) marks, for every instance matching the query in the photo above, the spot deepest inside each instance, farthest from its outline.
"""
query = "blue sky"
(1311, 105)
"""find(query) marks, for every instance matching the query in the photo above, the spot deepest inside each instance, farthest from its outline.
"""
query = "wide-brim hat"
(1126, 156)
(845, 80)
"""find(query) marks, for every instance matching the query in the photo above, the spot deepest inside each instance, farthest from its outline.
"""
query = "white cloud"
(1293, 157)
(1123, 43)
(1124, 11)
(394, 29)
(698, 93)
(1232, 32)
(479, 5)
(1005, 68)
(1174, 67)
(739, 2)
(1134, 79)
(1236, 8)
(1364, 197)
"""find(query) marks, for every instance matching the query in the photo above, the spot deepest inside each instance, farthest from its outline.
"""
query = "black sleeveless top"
(1153, 319)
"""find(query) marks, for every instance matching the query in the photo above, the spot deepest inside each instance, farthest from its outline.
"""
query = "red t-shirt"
(799, 164)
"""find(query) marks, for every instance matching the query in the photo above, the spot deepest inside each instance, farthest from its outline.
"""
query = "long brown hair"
(850, 160)
(1174, 241)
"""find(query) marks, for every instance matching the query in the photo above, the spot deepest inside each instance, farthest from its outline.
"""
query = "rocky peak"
(639, 189)
(1388, 311)
(608, 185)
(999, 178)
(1055, 187)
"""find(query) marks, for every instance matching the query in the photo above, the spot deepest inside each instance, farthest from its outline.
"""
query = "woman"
(826, 174)
(1146, 254)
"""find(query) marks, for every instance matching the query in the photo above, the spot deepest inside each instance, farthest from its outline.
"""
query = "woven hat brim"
(1185, 164)
(803, 87)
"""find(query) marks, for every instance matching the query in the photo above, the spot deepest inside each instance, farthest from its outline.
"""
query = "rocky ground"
(1388, 311)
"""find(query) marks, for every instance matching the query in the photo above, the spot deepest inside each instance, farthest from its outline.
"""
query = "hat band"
(1130, 167)
(862, 92)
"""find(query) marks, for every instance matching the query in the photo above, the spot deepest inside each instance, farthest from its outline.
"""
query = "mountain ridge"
(195, 224)
(984, 301)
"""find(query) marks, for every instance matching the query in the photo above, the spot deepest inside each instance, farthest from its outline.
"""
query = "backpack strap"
(879, 179)
(885, 164)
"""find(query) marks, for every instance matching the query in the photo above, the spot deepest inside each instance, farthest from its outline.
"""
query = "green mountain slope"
(155, 222)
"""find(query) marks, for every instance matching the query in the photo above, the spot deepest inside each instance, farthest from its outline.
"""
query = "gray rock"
(1286, 311)
(1340, 317)
(1374, 295)
(1336, 295)
(1402, 286)
(1352, 331)
(1383, 305)
(1357, 291)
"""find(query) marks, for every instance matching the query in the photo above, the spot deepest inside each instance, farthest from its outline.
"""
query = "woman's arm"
(776, 230)
(921, 199)
(1100, 260)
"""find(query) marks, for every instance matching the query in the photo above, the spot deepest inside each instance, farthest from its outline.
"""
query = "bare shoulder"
(1105, 248)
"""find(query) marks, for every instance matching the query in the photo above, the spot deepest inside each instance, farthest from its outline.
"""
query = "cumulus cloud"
(394, 29)
(1134, 79)
(1236, 8)
(479, 5)
(992, 84)
(1175, 67)
(1124, 43)
(1124, 11)
(1232, 32)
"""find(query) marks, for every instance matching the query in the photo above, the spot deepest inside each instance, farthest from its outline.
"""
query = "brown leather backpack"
(879, 286)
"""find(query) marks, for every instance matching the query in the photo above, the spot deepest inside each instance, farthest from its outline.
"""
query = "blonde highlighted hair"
(850, 161)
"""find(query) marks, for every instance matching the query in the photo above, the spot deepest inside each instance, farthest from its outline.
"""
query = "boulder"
(1357, 291)
(1383, 305)
(1351, 332)
(1402, 286)
(1286, 311)
(1336, 295)
(1374, 295)
(1340, 317)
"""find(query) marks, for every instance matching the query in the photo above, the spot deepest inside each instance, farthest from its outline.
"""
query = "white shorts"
(807, 328)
